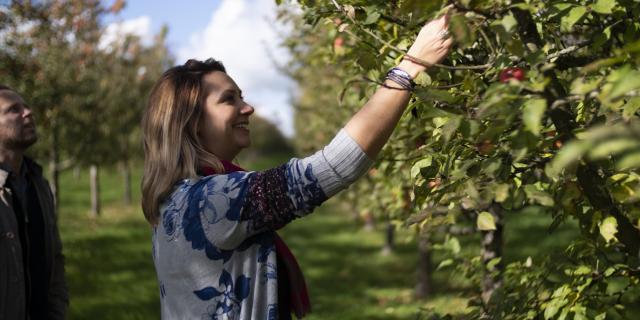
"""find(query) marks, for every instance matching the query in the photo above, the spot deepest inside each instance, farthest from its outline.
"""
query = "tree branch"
(400, 51)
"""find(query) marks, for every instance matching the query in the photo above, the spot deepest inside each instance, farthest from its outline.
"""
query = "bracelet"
(400, 77)
(417, 61)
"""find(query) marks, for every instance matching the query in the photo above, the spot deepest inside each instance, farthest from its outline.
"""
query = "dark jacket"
(12, 277)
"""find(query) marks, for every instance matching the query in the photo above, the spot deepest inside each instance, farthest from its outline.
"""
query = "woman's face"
(223, 127)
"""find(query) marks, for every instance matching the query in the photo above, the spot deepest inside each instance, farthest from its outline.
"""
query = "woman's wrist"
(413, 69)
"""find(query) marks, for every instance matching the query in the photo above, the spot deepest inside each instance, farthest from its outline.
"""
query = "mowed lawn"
(111, 274)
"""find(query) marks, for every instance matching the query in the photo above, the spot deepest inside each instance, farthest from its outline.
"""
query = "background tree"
(87, 95)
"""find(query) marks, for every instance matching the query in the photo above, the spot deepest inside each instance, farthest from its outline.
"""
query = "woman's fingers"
(447, 43)
(433, 41)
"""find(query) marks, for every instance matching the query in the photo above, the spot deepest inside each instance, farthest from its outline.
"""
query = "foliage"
(473, 149)
(266, 142)
(87, 94)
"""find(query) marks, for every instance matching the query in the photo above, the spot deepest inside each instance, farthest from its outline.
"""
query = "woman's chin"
(244, 143)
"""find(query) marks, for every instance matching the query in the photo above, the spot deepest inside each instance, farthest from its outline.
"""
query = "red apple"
(511, 73)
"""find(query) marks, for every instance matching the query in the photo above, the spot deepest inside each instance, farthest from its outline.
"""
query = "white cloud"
(245, 36)
(116, 32)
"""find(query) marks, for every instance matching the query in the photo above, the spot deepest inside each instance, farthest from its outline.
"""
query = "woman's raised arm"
(373, 124)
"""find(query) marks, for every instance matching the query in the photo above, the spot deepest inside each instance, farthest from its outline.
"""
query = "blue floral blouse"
(214, 249)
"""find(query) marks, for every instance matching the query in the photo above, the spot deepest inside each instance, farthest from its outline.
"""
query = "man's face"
(17, 128)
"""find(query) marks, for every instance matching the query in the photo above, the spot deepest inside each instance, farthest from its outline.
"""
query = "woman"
(215, 249)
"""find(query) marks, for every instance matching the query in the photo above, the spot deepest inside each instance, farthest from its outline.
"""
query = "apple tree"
(534, 110)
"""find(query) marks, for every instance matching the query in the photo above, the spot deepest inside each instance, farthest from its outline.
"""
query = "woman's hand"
(431, 46)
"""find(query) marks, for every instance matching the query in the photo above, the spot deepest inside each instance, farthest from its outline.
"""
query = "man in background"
(32, 284)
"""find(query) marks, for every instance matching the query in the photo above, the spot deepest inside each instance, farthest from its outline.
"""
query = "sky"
(243, 34)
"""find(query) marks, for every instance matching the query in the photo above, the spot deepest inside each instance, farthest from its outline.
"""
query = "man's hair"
(172, 149)
(3, 87)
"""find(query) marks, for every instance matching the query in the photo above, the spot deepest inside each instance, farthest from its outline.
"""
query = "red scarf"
(293, 279)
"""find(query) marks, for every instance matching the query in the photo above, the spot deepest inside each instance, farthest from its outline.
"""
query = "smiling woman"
(215, 249)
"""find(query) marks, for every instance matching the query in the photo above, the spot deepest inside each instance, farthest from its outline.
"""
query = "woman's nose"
(247, 109)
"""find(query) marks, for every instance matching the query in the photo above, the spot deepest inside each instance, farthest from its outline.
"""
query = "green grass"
(108, 260)
(111, 275)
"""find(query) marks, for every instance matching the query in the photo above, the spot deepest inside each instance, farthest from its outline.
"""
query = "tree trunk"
(54, 181)
(369, 220)
(95, 190)
(76, 172)
(492, 243)
(389, 239)
(126, 174)
(424, 283)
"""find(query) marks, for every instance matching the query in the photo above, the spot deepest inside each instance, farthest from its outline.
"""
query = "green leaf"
(366, 59)
(501, 192)
(620, 83)
(609, 228)
(461, 30)
(550, 311)
(604, 6)
(493, 263)
(629, 161)
(630, 108)
(582, 86)
(609, 271)
(582, 270)
(450, 128)
(575, 14)
(373, 15)
(422, 163)
(485, 221)
(612, 147)
(559, 301)
(508, 22)
(435, 95)
(568, 154)
(445, 263)
(538, 196)
(532, 114)
(453, 244)
(423, 79)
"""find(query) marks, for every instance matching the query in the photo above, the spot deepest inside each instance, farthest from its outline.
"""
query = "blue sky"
(183, 17)
(243, 34)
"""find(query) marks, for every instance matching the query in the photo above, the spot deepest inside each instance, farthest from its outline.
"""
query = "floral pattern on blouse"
(227, 297)
(212, 201)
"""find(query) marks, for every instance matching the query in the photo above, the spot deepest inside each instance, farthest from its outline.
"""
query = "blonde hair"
(172, 149)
